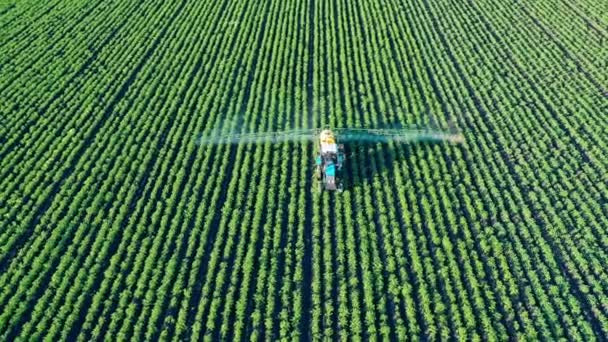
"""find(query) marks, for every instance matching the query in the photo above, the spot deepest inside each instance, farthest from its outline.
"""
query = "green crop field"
(116, 223)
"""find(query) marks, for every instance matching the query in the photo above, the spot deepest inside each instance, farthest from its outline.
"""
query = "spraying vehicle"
(329, 161)
(329, 144)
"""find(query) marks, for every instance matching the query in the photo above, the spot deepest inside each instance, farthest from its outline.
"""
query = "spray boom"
(343, 134)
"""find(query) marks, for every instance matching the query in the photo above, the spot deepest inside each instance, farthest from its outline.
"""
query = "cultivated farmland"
(115, 224)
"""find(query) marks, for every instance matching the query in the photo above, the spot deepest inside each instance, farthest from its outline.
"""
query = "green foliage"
(116, 225)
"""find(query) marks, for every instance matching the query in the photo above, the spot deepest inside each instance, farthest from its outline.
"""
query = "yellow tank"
(327, 142)
(327, 137)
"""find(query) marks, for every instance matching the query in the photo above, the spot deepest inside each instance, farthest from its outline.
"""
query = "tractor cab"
(330, 176)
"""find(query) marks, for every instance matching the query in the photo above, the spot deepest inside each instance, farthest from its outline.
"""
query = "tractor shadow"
(367, 162)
